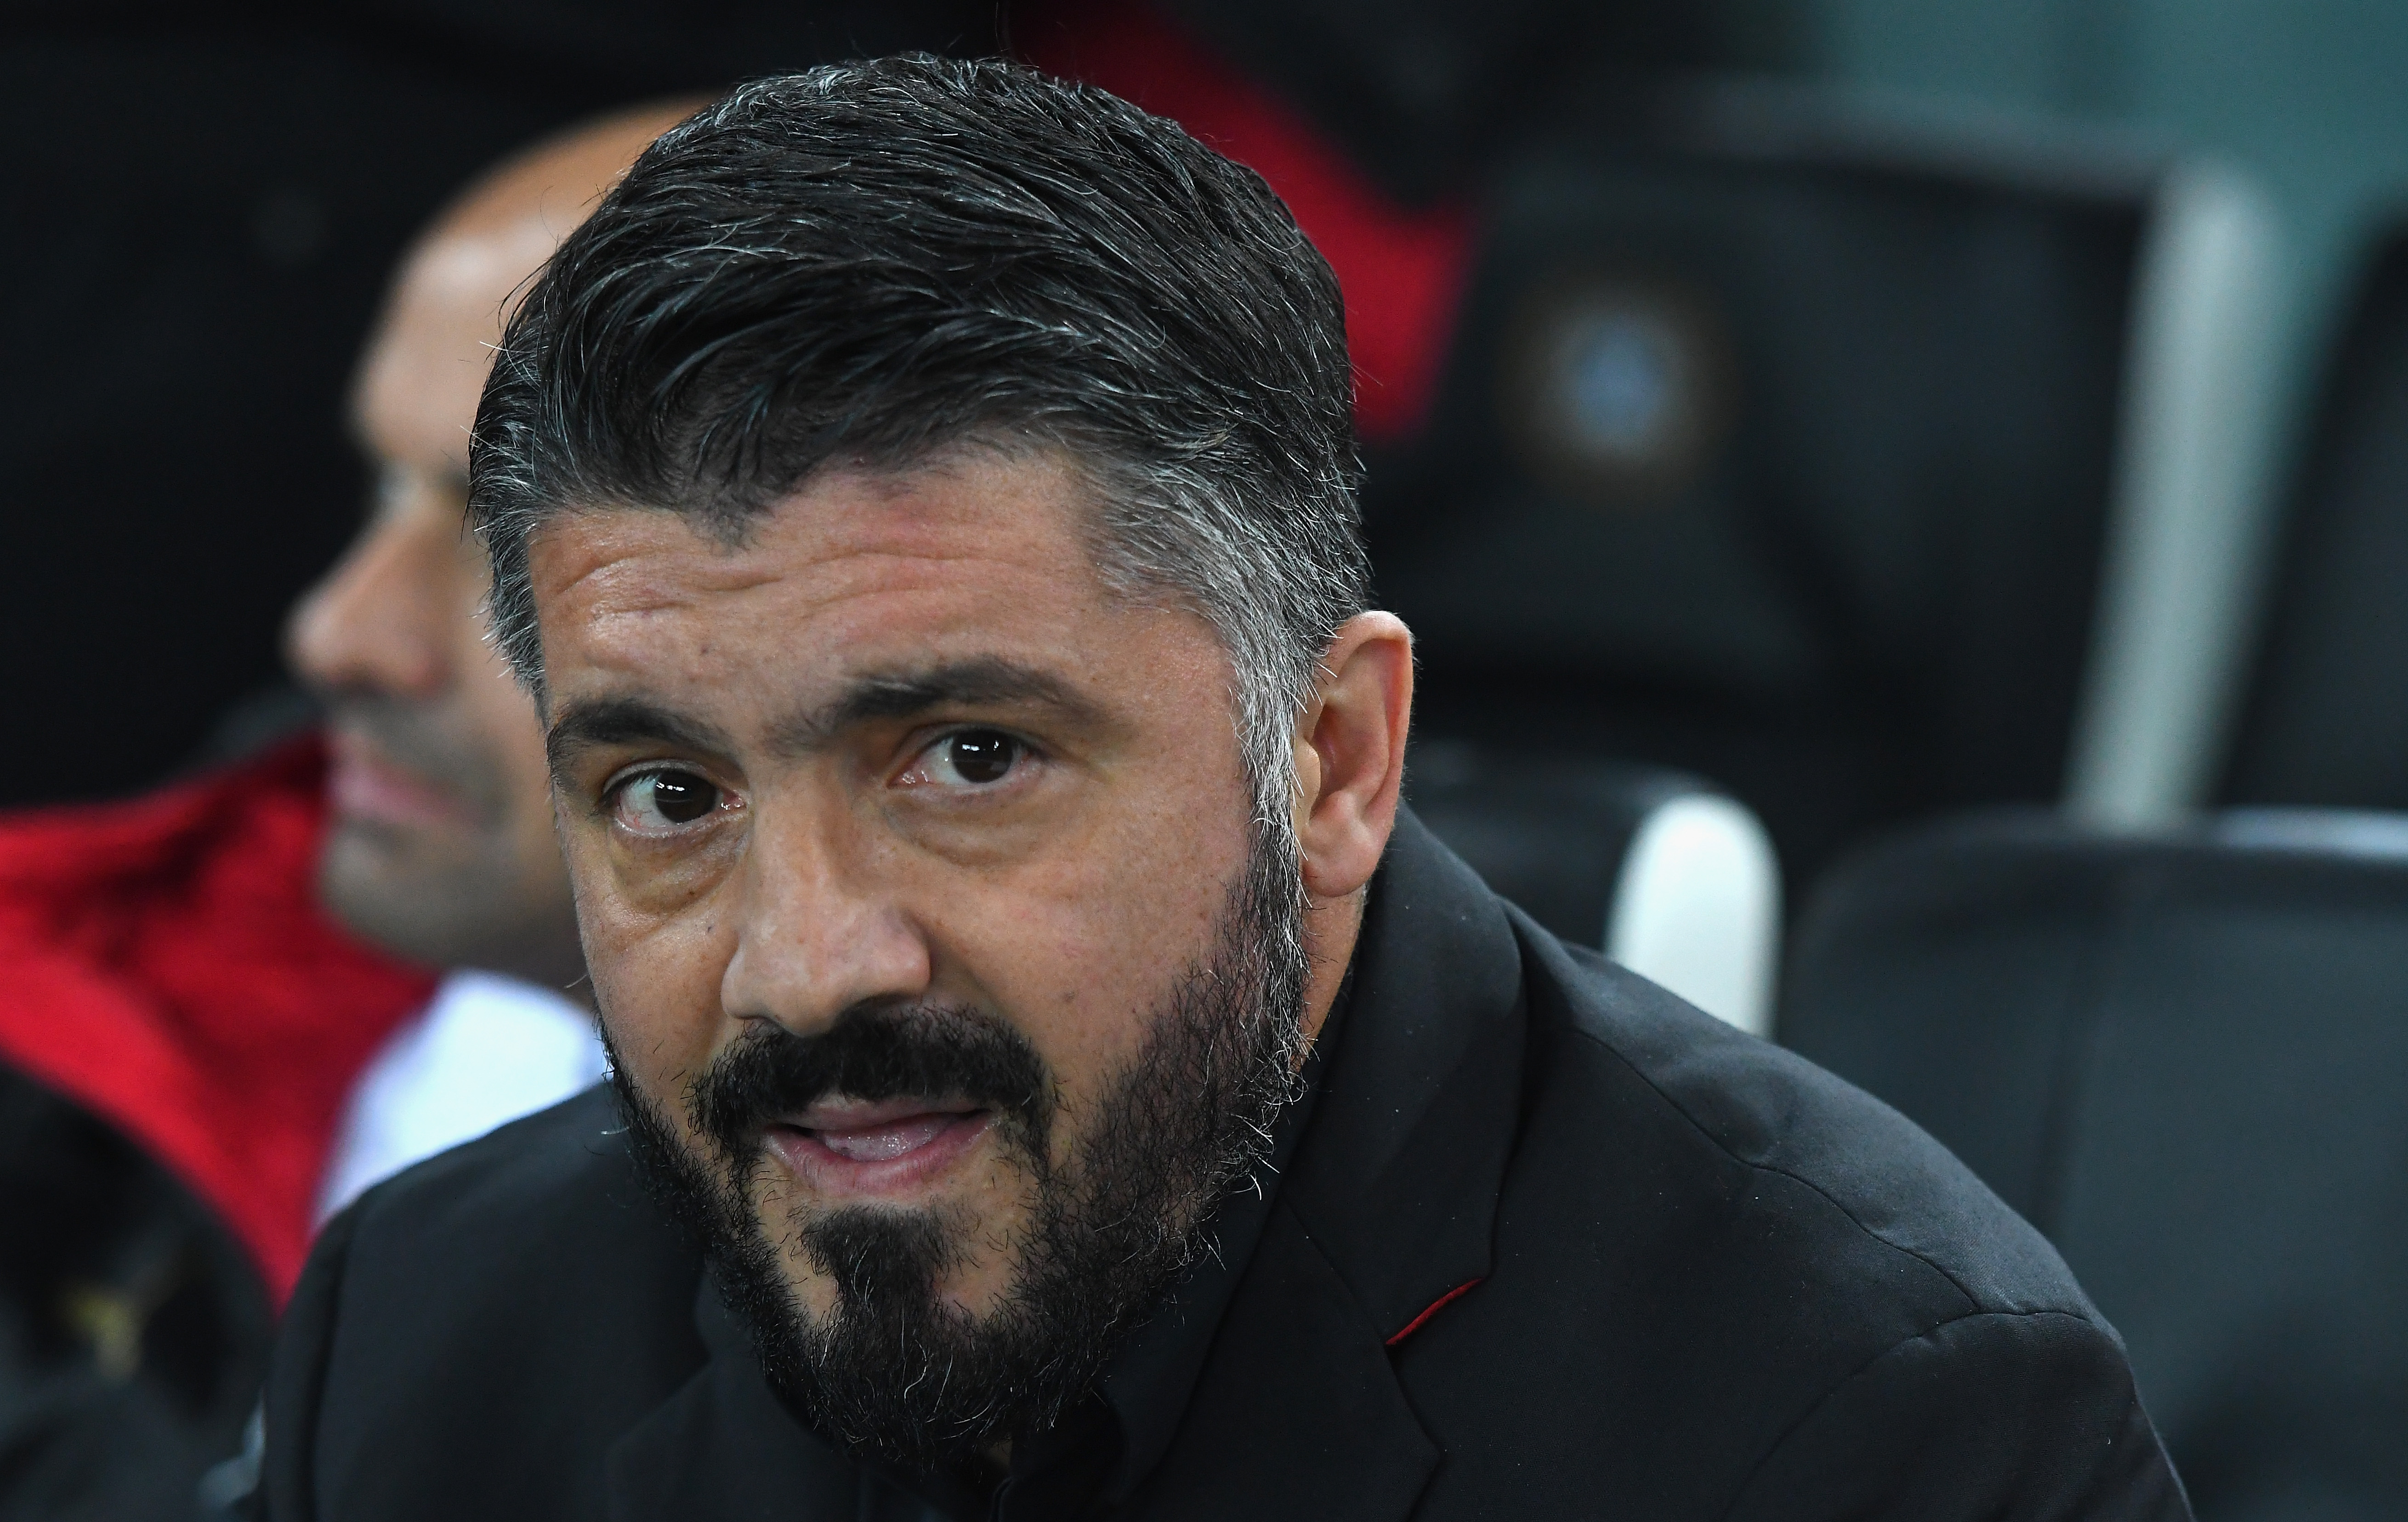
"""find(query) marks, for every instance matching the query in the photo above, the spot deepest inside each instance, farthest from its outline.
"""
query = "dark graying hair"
(869, 264)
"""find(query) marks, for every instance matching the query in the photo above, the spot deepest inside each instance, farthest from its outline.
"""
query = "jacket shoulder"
(1703, 1244)
(470, 1336)
(1813, 1147)
(562, 1161)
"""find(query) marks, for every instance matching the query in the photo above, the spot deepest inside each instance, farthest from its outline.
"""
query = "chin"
(970, 1267)
(369, 860)
(364, 880)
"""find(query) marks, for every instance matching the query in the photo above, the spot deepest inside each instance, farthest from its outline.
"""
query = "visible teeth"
(883, 1144)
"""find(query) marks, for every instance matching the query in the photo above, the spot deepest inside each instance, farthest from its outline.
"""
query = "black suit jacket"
(1708, 1281)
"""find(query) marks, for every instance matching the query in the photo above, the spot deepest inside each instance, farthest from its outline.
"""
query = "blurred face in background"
(440, 846)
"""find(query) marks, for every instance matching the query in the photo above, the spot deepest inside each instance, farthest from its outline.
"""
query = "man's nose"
(820, 928)
(375, 622)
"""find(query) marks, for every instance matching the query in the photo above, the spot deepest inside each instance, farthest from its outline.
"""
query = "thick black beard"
(894, 1371)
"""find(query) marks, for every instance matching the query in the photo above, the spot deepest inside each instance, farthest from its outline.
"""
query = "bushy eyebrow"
(588, 724)
(983, 681)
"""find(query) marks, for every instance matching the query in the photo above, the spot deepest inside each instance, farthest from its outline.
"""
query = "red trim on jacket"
(168, 966)
(1435, 1307)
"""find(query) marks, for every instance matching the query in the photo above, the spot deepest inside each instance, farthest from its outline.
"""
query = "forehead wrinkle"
(625, 588)
(905, 526)
(631, 587)
(614, 629)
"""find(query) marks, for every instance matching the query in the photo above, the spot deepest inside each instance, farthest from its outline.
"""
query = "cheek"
(1084, 947)
(656, 979)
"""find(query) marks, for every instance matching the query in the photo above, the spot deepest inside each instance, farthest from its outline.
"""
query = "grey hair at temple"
(869, 263)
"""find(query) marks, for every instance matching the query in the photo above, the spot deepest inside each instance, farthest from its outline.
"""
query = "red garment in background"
(165, 963)
(1402, 270)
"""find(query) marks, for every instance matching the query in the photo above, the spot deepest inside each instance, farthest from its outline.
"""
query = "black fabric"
(1708, 1279)
(1849, 576)
(2181, 1059)
(134, 1330)
(2323, 722)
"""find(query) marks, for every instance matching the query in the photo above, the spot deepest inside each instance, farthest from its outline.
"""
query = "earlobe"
(1351, 754)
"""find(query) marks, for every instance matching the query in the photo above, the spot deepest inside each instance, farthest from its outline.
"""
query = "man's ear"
(1350, 753)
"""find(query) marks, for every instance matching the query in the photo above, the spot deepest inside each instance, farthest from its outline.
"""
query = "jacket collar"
(1388, 1206)
(1397, 1178)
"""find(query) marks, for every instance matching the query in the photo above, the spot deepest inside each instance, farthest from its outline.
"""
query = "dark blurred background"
(1750, 387)
(204, 202)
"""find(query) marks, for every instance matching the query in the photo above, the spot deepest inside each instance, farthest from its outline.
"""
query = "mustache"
(885, 1049)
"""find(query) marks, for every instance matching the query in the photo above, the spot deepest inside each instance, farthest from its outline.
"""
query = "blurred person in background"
(440, 846)
(219, 1025)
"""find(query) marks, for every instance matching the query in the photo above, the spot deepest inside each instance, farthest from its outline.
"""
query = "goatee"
(896, 1371)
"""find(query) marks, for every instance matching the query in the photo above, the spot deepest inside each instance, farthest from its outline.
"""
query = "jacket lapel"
(1298, 1414)
(1388, 1208)
(1398, 1177)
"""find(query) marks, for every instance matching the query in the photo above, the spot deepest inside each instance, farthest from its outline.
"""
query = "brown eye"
(664, 800)
(978, 756)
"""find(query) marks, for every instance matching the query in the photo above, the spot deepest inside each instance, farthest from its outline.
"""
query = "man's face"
(440, 846)
(918, 877)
